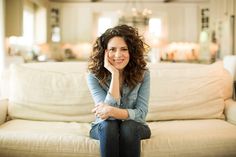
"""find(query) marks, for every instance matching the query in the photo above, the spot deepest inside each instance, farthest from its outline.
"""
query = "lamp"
(136, 16)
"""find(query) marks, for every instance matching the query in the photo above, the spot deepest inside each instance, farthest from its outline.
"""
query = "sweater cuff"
(131, 114)
(110, 100)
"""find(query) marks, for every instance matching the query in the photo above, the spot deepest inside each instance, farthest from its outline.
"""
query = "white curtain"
(2, 50)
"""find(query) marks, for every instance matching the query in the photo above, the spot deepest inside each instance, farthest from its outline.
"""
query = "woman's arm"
(114, 88)
(105, 105)
(139, 113)
(98, 93)
(141, 107)
(105, 111)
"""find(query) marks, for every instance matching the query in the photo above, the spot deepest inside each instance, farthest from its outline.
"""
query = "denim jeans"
(120, 138)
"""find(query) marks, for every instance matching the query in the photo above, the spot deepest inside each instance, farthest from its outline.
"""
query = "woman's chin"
(119, 66)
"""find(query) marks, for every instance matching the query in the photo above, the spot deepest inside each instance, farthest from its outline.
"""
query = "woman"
(119, 83)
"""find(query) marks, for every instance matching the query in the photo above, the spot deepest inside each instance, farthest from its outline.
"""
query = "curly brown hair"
(134, 70)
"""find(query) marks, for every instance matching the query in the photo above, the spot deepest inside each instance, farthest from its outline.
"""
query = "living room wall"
(77, 20)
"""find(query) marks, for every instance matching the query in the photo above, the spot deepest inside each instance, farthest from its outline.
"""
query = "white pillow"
(51, 94)
(188, 91)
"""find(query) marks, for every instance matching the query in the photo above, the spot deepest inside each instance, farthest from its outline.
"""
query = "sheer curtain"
(2, 50)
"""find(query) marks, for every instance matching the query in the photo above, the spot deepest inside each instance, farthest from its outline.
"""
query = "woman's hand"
(102, 111)
(108, 65)
(105, 111)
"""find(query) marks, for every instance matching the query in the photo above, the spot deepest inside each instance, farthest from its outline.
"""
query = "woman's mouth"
(118, 61)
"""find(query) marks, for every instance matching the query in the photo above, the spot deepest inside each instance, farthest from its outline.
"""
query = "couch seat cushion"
(191, 138)
(24, 138)
(186, 138)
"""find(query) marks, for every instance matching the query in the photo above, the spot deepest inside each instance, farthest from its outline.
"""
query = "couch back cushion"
(188, 91)
(50, 91)
(59, 92)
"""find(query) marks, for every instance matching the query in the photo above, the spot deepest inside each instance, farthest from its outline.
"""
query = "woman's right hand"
(102, 111)
(108, 65)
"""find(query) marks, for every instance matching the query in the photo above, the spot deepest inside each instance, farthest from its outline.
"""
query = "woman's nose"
(118, 53)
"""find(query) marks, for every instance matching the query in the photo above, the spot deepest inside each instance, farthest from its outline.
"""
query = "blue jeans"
(120, 138)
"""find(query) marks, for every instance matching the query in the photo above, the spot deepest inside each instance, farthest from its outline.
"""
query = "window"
(40, 33)
(103, 24)
(155, 26)
(28, 27)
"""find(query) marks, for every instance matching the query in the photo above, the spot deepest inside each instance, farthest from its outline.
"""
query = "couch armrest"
(3, 110)
(230, 111)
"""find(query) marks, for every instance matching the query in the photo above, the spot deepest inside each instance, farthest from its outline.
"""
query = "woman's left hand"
(102, 111)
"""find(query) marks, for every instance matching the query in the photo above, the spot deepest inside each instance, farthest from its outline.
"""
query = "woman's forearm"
(119, 113)
(105, 111)
(114, 89)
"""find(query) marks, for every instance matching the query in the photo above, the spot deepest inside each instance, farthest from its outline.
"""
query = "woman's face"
(118, 53)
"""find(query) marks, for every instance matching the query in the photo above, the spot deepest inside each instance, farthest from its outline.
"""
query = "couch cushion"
(188, 91)
(191, 138)
(50, 91)
(186, 138)
(25, 138)
(58, 91)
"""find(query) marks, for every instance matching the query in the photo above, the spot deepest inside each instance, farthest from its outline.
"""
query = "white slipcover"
(50, 107)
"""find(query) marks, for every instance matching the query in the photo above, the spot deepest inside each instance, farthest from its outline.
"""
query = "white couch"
(48, 112)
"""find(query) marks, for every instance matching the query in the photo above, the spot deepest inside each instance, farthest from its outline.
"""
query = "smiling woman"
(119, 82)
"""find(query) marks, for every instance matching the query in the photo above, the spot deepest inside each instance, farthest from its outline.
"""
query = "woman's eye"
(112, 50)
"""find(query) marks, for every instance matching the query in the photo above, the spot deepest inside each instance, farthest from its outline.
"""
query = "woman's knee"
(109, 127)
(128, 130)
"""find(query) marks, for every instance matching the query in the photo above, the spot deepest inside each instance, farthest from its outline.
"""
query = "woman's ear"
(106, 52)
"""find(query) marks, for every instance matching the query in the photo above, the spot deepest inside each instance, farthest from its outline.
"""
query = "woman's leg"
(108, 134)
(131, 133)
